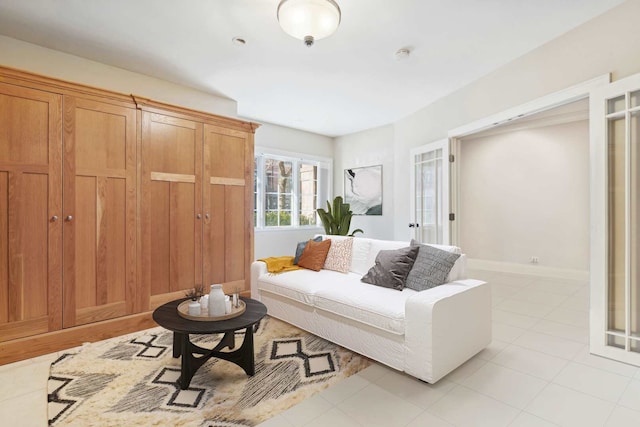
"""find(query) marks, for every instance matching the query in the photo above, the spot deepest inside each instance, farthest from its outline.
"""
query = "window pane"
(634, 291)
(635, 98)
(616, 104)
(271, 218)
(271, 201)
(276, 178)
(615, 341)
(308, 199)
(617, 228)
(285, 202)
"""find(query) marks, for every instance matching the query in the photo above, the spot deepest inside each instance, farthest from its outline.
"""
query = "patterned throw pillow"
(300, 248)
(392, 267)
(314, 255)
(431, 268)
(339, 257)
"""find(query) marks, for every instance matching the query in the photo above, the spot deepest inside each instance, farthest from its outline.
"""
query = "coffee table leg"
(243, 357)
(177, 342)
(248, 352)
(187, 368)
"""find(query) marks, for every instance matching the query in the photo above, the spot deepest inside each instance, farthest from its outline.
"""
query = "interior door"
(430, 193)
(30, 210)
(99, 211)
(615, 273)
(228, 218)
(171, 206)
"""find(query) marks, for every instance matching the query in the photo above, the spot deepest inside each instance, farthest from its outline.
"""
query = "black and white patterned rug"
(131, 381)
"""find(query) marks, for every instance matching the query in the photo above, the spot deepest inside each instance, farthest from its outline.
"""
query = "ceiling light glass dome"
(309, 20)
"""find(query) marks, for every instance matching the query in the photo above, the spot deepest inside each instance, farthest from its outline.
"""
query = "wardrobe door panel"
(100, 211)
(30, 202)
(171, 206)
(228, 228)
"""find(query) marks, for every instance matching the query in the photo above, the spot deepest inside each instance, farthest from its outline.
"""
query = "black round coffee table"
(167, 316)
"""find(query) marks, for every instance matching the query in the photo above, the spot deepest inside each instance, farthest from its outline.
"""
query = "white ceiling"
(343, 84)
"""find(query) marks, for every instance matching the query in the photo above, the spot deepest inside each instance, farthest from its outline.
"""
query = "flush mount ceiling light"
(309, 20)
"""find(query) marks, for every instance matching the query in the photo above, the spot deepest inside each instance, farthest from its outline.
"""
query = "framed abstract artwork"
(363, 190)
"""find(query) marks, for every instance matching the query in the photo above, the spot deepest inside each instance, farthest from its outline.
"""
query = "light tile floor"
(537, 372)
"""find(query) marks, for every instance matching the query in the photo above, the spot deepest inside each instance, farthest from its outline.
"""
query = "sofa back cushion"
(314, 255)
(364, 252)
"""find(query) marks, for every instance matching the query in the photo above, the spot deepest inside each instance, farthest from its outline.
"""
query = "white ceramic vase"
(216, 301)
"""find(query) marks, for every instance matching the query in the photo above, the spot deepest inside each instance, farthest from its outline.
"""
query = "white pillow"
(360, 256)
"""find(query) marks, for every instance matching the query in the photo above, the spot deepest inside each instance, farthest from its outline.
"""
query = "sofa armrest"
(445, 326)
(258, 268)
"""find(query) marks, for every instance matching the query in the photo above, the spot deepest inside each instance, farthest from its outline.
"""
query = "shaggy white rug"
(131, 381)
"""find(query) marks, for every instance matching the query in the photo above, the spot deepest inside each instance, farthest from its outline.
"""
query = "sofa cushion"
(392, 268)
(314, 255)
(431, 267)
(299, 285)
(375, 306)
(339, 256)
(301, 246)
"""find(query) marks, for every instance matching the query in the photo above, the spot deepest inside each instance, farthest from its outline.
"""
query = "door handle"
(69, 218)
(411, 225)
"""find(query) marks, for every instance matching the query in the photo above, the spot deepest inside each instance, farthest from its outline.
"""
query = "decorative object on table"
(184, 310)
(204, 304)
(131, 380)
(337, 221)
(236, 297)
(363, 190)
(196, 293)
(216, 301)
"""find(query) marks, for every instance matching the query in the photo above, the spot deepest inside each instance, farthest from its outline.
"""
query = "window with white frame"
(288, 189)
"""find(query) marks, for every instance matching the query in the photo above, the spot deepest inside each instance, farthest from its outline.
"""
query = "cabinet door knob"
(198, 216)
(69, 218)
(54, 218)
(206, 216)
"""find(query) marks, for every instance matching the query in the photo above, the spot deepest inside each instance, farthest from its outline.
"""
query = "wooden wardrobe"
(111, 205)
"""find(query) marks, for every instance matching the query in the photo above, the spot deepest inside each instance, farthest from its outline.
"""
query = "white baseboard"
(534, 270)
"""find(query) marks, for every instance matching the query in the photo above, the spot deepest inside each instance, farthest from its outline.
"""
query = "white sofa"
(426, 334)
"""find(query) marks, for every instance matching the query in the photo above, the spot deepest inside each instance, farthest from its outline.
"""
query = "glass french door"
(430, 193)
(615, 279)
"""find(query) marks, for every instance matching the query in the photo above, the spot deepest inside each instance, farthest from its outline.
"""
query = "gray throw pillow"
(391, 268)
(300, 248)
(431, 268)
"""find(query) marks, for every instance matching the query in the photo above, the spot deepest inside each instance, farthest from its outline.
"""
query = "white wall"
(526, 193)
(277, 243)
(52, 63)
(606, 44)
(368, 148)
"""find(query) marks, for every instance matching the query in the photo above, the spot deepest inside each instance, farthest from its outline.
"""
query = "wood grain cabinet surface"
(111, 205)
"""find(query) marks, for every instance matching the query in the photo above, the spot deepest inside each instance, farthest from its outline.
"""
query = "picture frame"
(363, 189)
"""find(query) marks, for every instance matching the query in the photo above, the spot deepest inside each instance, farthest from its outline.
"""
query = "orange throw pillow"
(314, 255)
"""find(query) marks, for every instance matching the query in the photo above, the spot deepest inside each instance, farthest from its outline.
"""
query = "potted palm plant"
(337, 220)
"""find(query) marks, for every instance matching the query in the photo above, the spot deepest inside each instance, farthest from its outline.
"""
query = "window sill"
(288, 228)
